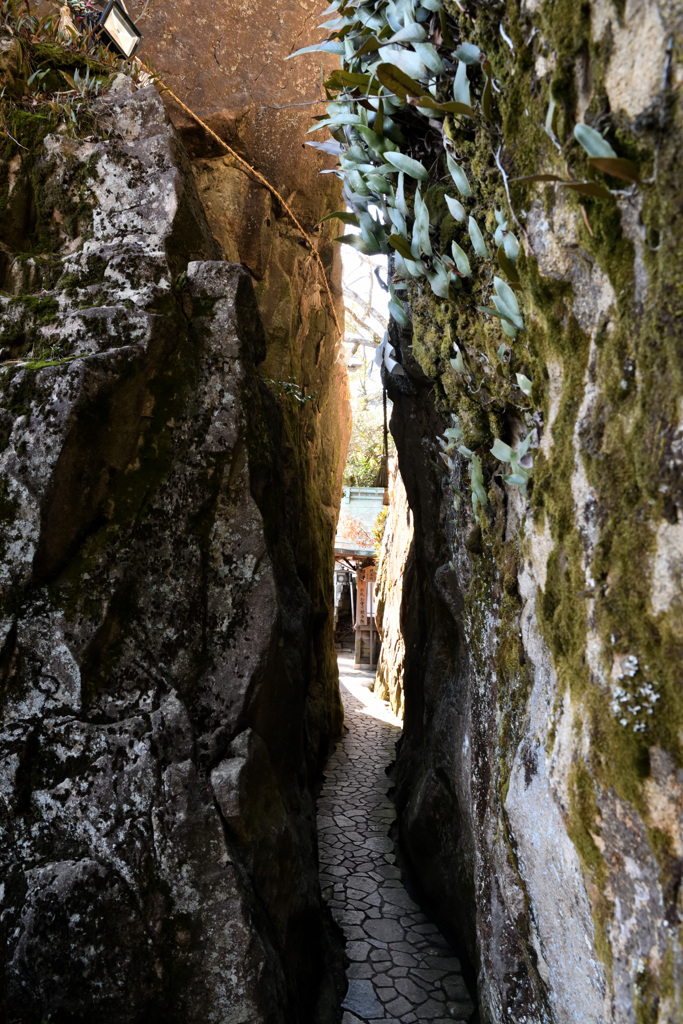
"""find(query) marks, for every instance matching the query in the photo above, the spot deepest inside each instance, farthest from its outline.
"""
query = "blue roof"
(360, 507)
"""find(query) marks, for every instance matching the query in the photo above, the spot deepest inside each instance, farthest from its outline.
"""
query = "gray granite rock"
(538, 638)
(157, 845)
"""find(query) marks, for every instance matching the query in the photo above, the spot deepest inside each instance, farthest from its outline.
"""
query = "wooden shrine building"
(356, 572)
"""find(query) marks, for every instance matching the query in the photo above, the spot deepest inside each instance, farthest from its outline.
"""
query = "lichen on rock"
(154, 615)
(543, 655)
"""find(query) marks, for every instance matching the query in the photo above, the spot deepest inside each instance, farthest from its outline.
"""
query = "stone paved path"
(401, 970)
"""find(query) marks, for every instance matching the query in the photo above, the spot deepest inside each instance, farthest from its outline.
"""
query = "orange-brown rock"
(228, 64)
(394, 566)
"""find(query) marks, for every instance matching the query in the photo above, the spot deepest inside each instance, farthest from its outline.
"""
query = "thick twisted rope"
(271, 188)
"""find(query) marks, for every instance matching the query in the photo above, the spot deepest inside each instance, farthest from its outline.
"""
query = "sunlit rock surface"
(395, 568)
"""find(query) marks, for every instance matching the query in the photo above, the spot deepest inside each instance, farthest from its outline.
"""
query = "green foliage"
(378, 529)
(289, 389)
(366, 445)
(59, 79)
(519, 460)
(391, 114)
(412, 110)
(626, 438)
(392, 118)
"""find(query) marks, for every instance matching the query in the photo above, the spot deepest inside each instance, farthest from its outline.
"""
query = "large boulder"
(157, 843)
(228, 64)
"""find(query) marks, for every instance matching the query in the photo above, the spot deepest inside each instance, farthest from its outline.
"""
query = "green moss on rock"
(623, 377)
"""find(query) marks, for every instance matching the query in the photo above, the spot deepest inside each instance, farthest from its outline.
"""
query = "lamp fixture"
(109, 21)
(118, 29)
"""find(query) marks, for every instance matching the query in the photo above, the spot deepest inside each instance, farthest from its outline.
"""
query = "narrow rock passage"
(401, 970)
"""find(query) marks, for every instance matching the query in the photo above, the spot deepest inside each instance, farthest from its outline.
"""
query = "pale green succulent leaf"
(516, 480)
(429, 57)
(505, 292)
(478, 481)
(458, 176)
(380, 143)
(455, 208)
(412, 33)
(504, 311)
(501, 451)
(406, 61)
(400, 201)
(524, 447)
(592, 141)
(511, 246)
(406, 163)
(398, 312)
(461, 260)
(477, 239)
(461, 85)
(457, 363)
(439, 279)
(368, 248)
(330, 46)
(468, 53)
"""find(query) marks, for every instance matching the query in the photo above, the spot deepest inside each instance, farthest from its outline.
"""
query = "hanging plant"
(401, 75)
(407, 94)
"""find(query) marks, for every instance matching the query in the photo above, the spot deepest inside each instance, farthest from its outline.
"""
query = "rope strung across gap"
(264, 181)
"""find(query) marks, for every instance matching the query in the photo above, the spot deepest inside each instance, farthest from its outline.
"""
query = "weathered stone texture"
(539, 777)
(395, 567)
(228, 64)
(303, 367)
(161, 712)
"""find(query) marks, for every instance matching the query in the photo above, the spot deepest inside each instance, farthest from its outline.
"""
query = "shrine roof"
(359, 510)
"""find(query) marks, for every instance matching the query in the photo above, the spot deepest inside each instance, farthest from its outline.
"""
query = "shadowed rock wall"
(227, 62)
(539, 780)
(164, 693)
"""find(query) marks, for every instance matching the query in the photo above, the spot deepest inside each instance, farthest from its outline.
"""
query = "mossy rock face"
(157, 603)
(13, 71)
(543, 638)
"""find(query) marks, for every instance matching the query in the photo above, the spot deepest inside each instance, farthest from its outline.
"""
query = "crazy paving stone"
(401, 970)
(361, 999)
